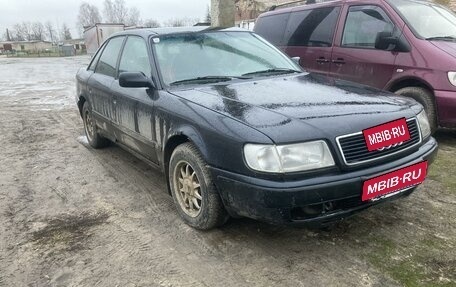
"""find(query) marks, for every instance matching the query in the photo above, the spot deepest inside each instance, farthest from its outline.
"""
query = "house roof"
(25, 42)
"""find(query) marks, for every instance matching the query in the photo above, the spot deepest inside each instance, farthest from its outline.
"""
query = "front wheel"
(424, 97)
(193, 189)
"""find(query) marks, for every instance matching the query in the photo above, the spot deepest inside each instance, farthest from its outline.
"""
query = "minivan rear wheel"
(193, 189)
(424, 97)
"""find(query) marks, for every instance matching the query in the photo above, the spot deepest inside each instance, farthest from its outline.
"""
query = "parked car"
(239, 129)
(403, 46)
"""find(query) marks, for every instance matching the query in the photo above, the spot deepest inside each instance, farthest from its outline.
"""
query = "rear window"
(272, 28)
(312, 28)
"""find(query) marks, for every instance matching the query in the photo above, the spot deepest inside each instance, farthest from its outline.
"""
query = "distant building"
(95, 35)
(26, 46)
(78, 44)
(452, 5)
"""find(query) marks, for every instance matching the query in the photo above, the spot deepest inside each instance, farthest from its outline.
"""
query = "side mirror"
(297, 60)
(384, 40)
(389, 42)
(135, 80)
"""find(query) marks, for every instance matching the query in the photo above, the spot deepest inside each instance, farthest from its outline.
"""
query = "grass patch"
(420, 264)
(443, 169)
(69, 231)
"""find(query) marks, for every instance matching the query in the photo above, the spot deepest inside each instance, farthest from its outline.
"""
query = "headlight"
(288, 158)
(452, 78)
(425, 127)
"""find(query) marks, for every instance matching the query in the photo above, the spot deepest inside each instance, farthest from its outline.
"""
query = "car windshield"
(428, 20)
(218, 56)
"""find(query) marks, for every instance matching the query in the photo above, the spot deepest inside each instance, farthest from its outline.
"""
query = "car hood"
(302, 107)
(446, 46)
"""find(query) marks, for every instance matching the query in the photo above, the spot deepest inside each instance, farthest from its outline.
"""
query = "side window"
(272, 28)
(313, 28)
(94, 62)
(135, 57)
(108, 59)
(362, 25)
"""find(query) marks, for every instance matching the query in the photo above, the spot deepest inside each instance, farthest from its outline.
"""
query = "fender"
(188, 131)
(408, 76)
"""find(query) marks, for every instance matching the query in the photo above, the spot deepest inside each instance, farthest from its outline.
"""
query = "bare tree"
(133, 17)
(38, 31)
(88, 15)
(208, 18)
(7, 35)
(115, 11)
(50, 32)
(181, 22)
(23, 31)
(66, 34)
(151, 23)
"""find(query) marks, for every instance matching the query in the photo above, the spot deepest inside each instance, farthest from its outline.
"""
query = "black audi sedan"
(238, 129)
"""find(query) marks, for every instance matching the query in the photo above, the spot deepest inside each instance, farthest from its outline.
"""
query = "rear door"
(99, 84)
(134, 107)
(309, 35)
(354, 55)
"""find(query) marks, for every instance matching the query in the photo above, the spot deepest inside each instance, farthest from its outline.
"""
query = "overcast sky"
(66, 11)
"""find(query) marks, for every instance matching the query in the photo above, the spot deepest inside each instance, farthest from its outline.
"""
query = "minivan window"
(272, 27)
(363, 24)
(108, 60)
(135, 57)
(427, 20)
(313, 28)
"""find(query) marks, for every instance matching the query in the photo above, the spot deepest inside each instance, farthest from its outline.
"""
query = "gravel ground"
(74, 216)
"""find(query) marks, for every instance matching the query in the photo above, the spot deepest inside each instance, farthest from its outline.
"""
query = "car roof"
(326, 3)
(146, 32)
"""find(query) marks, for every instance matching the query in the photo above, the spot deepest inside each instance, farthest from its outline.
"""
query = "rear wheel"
(91, 130)
(193, 189)
(424, 97)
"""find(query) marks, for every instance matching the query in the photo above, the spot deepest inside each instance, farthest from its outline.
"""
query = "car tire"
(424, 97)
(91, 130)
(193, 189)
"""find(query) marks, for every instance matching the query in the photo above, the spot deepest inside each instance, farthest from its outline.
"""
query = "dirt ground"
(74, 216)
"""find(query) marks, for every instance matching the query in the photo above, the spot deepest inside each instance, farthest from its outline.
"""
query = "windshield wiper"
(273, 71)
(443, 38)
(214, 79)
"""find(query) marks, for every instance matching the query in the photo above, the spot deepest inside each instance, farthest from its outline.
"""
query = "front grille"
(354, 149)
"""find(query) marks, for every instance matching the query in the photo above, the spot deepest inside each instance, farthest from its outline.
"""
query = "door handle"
(339, 61)
(322, 60)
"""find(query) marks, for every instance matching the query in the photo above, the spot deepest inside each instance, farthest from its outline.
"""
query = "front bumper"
(446, 105)
(313, 201)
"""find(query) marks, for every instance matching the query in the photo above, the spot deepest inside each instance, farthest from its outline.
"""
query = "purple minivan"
(404, 46)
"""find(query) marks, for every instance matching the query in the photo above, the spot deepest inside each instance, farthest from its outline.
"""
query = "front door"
(354, 56)
(134, 107)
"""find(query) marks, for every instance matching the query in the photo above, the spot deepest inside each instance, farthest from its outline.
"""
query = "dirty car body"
(226, 110)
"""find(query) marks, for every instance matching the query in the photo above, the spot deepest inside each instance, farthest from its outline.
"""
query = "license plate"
(395, 181)
(387, 135)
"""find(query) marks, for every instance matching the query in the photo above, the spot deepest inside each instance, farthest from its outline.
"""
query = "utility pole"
(222, 13)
